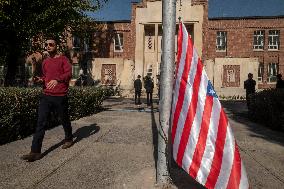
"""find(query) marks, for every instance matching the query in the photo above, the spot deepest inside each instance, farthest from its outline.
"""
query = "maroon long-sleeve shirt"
(56, 68)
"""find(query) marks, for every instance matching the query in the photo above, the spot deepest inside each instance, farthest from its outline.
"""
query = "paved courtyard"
(261, 148)
(116, 148)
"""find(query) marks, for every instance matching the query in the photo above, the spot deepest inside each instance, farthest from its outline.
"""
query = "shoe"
(32, 156)
(67, 144)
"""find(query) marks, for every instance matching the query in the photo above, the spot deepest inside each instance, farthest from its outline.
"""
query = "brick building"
(114, 40)
(149, 33)
(232, 43)
(122, 49)
(108, 50)
(249, 38)
(112, 49)
(235, 45)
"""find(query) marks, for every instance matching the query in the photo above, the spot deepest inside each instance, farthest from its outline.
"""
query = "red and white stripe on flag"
(203, 142)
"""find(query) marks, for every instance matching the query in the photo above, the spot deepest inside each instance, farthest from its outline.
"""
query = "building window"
(150, 43)
(221, 41)
(273, 39)
(76, 42)
(258, 40)
(29, 70)
(75, 71)
(118, 42)
(260, 72)
(150, 70)
(86, 44)
(272, 71)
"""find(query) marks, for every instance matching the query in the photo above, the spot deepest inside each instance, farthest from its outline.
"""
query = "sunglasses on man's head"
(49, 44)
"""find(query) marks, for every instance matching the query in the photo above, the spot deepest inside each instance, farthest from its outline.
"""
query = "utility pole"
(166, 88)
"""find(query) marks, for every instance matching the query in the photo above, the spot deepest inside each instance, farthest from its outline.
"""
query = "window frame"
(75, 73)
(222, 36)
(260, 72)
(258, 44)
(273, 40)
(29, 70)
(271, 78)
(120, 42)
(76, 42)
(149, 70)
(86, 44)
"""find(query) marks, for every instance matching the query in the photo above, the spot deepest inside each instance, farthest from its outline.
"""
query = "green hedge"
(18, 109)
(268, 107)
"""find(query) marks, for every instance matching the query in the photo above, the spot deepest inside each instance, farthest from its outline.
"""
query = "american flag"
(203, 142)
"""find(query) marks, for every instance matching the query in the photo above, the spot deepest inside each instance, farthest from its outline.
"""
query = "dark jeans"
(46, 104)
(248, 98)
(137, 97)
(149, 98)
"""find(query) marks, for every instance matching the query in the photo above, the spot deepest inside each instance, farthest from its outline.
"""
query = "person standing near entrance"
(149, 85)
(138, 89)
(280, 82)
(57, 73)
(249, 85)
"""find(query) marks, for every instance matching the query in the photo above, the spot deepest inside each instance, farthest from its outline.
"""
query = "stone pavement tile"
(268, 154)
(108, 142)
(114, 149)
(262, 152)
(103, 165)
(259, 173)
(16, 173)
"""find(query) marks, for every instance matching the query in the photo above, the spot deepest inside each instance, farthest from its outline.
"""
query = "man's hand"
(51, 84)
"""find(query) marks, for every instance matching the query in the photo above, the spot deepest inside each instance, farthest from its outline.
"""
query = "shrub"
(268, 107)
(18, 109)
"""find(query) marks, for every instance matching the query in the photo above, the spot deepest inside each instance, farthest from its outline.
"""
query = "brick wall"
(240, 36)
(103, 46)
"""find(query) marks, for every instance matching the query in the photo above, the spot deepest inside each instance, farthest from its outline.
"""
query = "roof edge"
(114, 21)
(246, 17)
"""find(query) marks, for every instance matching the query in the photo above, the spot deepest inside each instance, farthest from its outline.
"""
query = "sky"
(245, 8)
(116, 10)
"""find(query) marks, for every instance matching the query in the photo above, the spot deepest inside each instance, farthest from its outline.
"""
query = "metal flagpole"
(166, 88)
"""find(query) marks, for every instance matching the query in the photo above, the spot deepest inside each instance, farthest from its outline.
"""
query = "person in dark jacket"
(280, 82)
(138, 89)
(57, 73)
(149, 85)
(249, 85)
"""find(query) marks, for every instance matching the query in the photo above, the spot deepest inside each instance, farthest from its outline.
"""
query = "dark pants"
(248, 99)
(48, 103)
(149, 98)
(137, 97)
